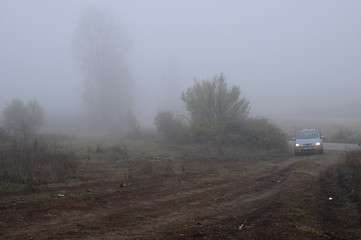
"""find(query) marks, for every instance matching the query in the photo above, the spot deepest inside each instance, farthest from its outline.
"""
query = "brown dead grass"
(161, 193)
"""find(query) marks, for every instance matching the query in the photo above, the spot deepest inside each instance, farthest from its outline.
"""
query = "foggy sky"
(289, 58)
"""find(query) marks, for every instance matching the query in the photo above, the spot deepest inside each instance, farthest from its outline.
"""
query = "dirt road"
(278, 200)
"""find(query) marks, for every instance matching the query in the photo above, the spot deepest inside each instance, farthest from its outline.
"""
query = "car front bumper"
(309, 149)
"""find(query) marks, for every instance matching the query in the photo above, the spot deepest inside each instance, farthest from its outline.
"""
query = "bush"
(34, 162)
(237, 136)
(173, 128)
(23, 118)
(253, 132)
(242, 132)
(211, 104)
(345, 135)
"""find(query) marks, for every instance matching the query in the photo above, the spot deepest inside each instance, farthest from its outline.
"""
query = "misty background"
(290, 58)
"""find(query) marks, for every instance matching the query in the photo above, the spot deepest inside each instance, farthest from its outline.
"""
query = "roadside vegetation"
(215, 142)
(34, 160)
(349, 174)
(219, 121)
(345, 135)
(216, 138)
(85, 168)
(25, 156)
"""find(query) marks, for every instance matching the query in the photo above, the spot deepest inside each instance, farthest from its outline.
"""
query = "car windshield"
(307, 134)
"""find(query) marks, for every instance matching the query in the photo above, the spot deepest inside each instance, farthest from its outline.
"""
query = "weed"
(349, 172)
(297, 212)
(169, 232)
(292, 225)
(140, 217)
(77, 232)
(33, 161)
(94, 227)
(328, 233)
(84, 171)
(307, 197)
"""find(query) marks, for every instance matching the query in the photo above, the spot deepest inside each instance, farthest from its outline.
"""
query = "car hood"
(308, 141)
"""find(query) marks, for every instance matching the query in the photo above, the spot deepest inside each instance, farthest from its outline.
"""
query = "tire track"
(131, 216)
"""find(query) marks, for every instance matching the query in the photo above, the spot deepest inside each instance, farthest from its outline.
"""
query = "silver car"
(308, 141)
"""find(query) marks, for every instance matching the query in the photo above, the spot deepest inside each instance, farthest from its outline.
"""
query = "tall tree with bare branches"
(101, 45)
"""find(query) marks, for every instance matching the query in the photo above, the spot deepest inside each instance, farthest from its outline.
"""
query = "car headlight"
(297, 145)
(318, 144)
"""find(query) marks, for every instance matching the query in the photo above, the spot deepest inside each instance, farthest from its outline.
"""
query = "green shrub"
(210, 104)
(232, 135)
(173, 128)
(257, 132)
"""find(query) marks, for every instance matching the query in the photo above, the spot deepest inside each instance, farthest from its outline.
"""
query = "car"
(308, 141)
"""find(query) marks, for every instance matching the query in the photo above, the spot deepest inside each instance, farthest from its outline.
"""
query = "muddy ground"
(288, 199)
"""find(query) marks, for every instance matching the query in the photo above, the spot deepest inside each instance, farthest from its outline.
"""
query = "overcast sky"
(289, 58)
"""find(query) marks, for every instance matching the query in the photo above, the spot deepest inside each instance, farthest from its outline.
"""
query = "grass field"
(144, 186)
(101, 165)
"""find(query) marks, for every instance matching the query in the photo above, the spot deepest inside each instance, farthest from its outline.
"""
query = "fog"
(289, 58)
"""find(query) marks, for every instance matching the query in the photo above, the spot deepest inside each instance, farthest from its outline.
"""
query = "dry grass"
(105, 165)
(34, 162)
(349, 173)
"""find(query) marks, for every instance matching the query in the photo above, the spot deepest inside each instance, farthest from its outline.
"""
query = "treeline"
(218, 124)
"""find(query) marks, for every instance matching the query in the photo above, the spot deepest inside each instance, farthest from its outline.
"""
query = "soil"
(298, 198)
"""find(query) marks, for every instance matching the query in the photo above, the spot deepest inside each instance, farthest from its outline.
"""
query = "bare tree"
(101, 45)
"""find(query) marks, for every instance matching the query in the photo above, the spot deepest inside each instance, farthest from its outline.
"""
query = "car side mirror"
(322, 137)
(294, 139)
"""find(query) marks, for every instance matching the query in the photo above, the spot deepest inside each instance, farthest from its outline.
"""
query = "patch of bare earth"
(281, 200)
